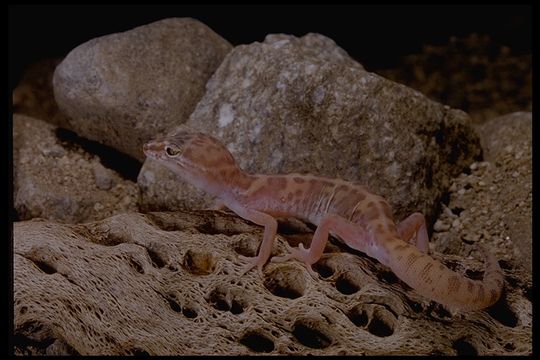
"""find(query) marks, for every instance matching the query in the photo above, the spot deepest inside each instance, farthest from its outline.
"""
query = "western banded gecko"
(346, 210)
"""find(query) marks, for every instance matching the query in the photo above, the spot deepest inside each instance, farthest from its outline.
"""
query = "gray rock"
(60, 181)
(301, 105)
(123, 89)
(170, 284)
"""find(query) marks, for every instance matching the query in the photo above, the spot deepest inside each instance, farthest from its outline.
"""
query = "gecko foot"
(301, 254)
(252, 262)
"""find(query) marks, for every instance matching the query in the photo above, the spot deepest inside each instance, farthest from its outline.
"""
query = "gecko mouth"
(146, 150)
(151, 149)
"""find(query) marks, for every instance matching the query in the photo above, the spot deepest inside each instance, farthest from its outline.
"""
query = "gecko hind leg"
(413, 231)
(350, 233)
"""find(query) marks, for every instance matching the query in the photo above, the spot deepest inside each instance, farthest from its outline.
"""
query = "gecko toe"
(278, 259)
(252, 262)
(312, 272)
(245, 258)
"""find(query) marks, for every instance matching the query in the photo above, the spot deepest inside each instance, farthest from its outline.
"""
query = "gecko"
(346, 210)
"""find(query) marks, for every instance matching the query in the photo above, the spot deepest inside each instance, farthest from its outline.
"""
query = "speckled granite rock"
(123, 89)
(168, 283)
(280, 107)
(60, 181)
(492, 203)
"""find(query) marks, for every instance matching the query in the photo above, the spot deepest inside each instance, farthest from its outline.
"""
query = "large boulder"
(122, 89)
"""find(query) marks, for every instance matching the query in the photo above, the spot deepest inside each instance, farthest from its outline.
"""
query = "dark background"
(374, 35)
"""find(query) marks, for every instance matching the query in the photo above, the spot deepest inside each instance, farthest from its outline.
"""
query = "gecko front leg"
(270, 230)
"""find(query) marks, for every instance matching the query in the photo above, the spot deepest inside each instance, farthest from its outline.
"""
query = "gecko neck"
(228, 183)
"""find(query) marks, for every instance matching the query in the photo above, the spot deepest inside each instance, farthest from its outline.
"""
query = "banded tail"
(432, 279)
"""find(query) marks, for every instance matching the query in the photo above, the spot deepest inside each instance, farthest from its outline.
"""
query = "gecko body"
(346, 210)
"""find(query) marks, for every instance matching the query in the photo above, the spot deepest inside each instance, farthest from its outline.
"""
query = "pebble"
(440, 226)
(456, 223)
(98, 207)
(55, 151)
(461, 191)
(448, 212)
(481, 183)
(515, 174)
(102, 176)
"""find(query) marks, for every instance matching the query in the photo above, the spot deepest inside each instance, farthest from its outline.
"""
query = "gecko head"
(195, 156)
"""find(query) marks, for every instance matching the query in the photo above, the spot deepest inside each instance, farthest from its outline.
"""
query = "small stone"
(509, 148)
(474, 166)
(126, 200)
(440, 226)
(456, 223)
(481, 183)
(54, 151)
(98, 207)
(102, 176)
(448, 212)
(515, 174)
(470, 237)
(461, 191)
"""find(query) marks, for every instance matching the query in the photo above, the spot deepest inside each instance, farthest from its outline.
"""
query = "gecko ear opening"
(172, 151)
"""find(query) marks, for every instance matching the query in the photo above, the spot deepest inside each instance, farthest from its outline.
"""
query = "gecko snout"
(150, 147)
(146, 148)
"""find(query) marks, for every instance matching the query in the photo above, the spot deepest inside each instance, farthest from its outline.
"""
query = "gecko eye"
(172, 151)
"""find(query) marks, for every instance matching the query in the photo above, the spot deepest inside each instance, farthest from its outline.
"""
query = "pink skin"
(362, 220)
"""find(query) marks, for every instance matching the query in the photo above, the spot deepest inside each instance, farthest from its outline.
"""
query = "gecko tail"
(432, 279)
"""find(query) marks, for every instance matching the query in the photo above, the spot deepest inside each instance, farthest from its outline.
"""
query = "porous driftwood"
(168, 283)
